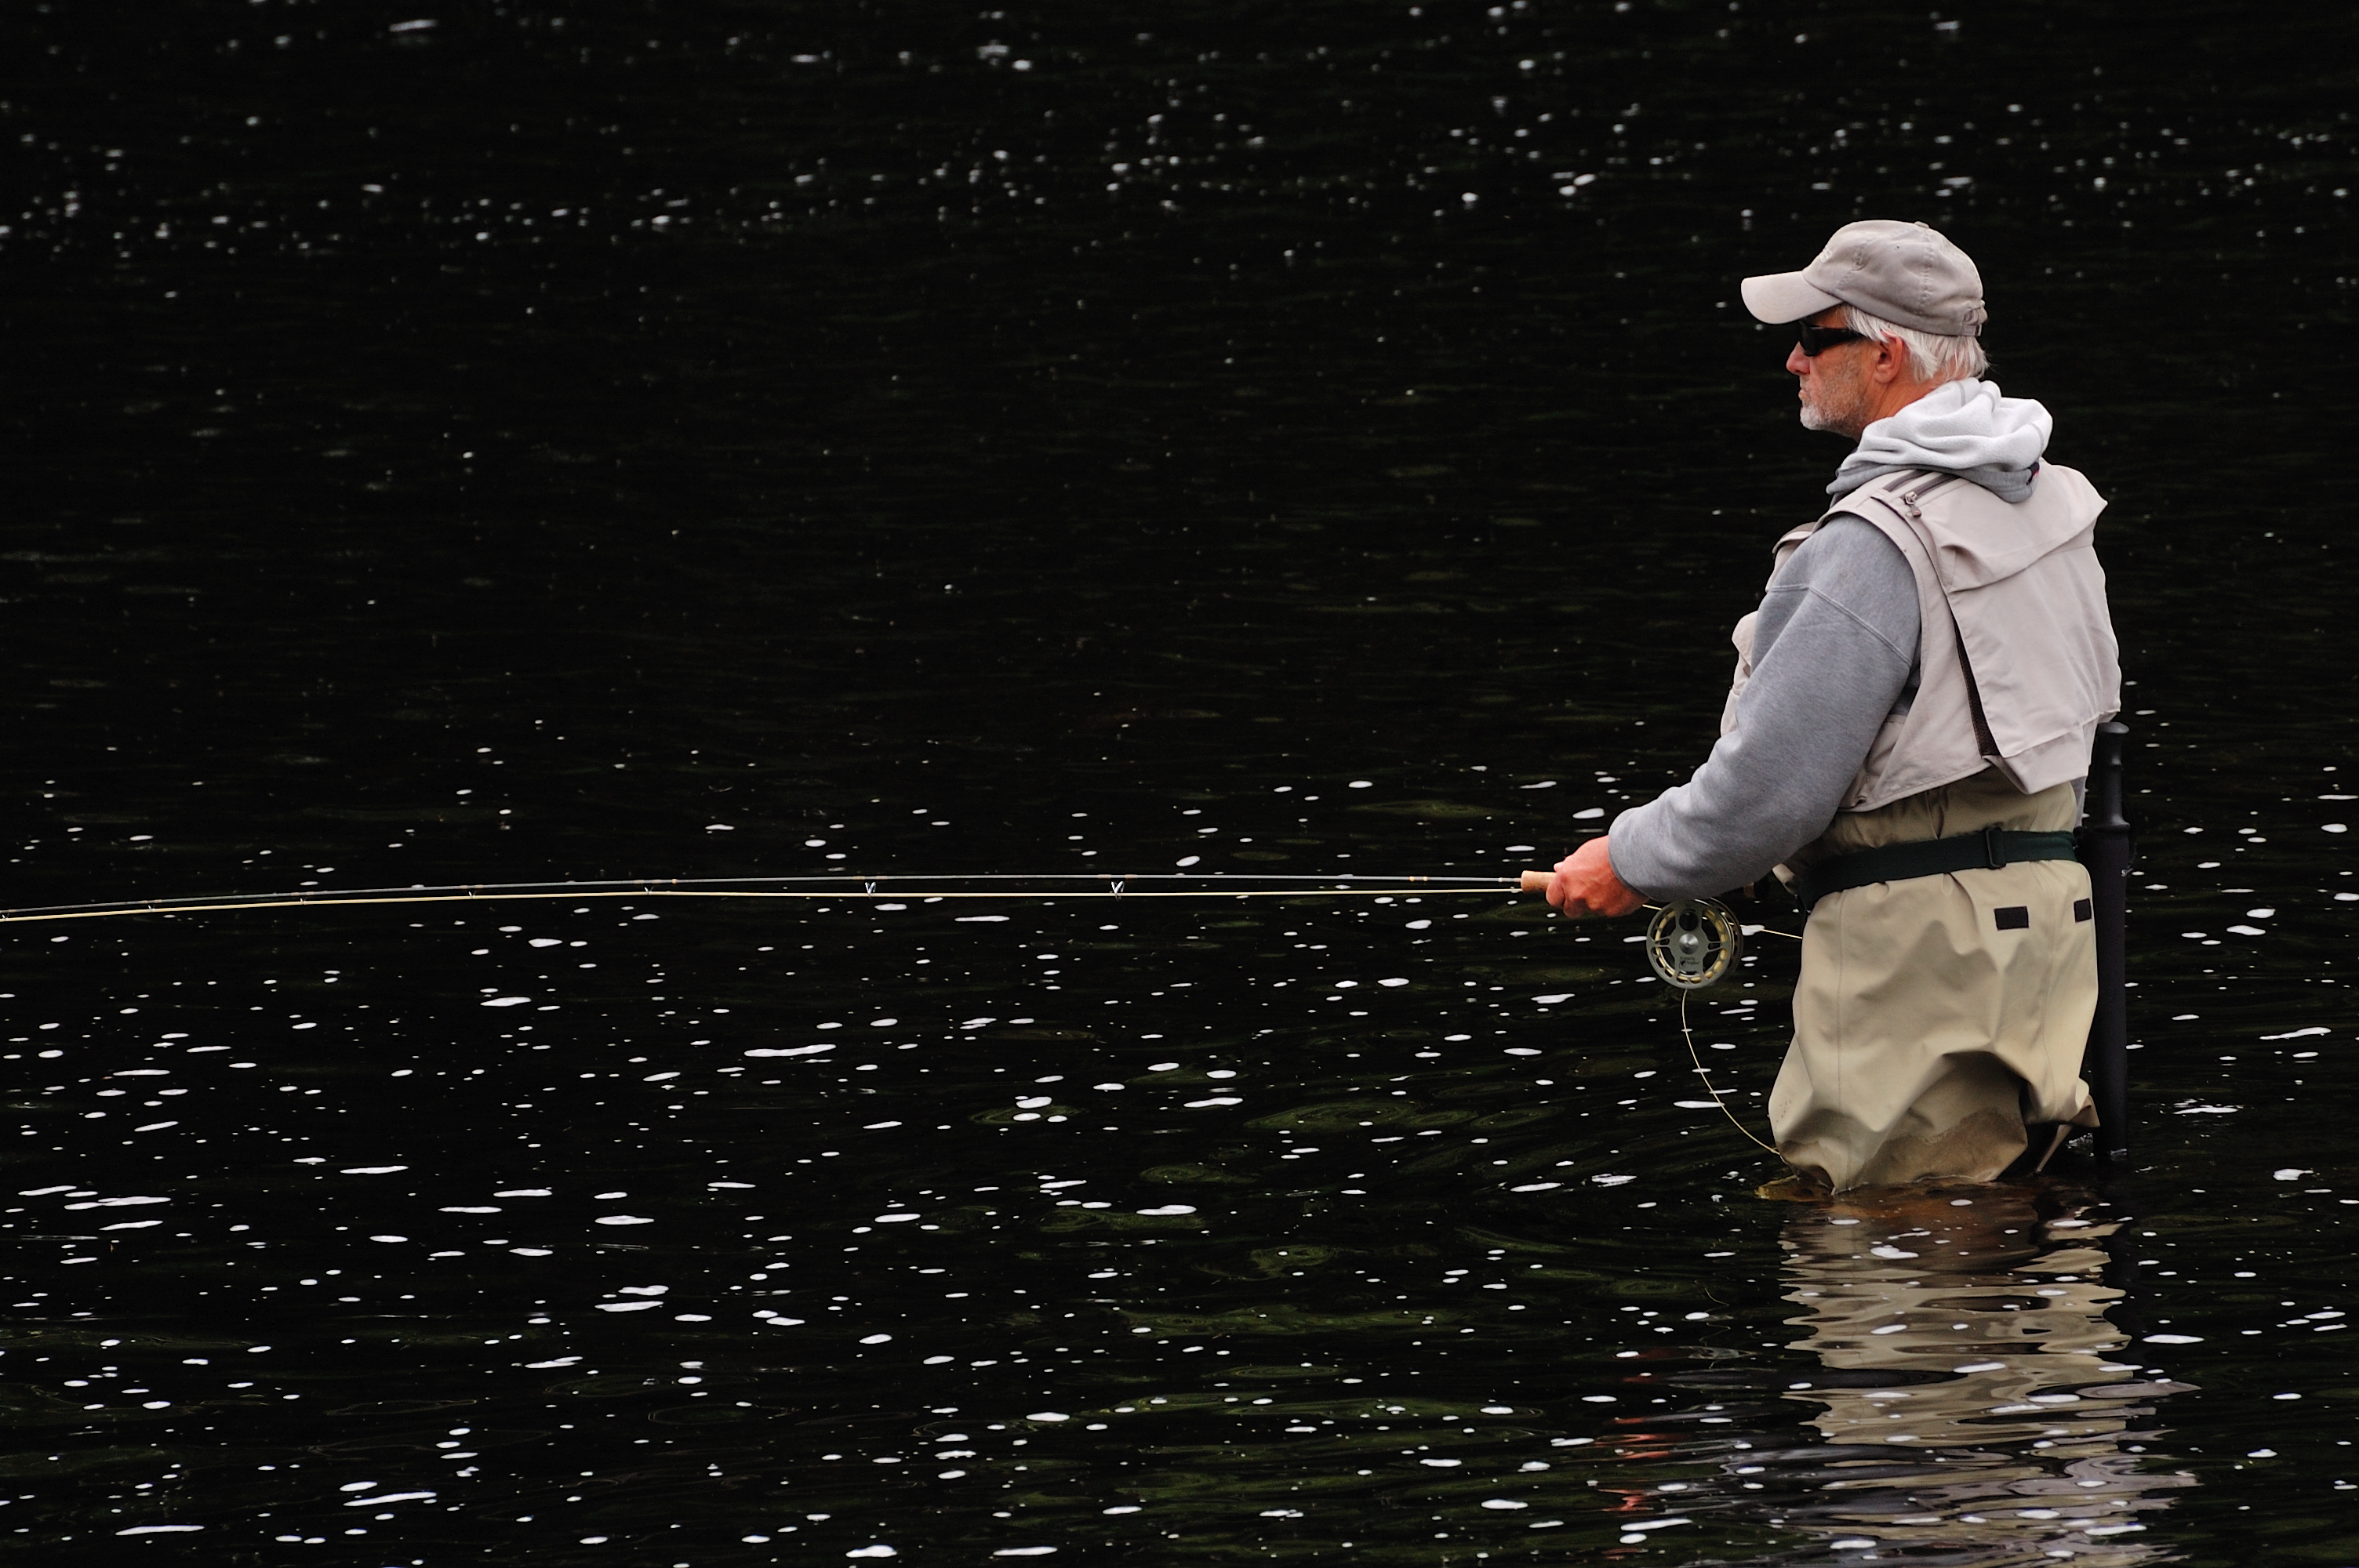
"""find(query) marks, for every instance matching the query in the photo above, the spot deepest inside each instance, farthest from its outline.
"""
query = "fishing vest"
(2017, 663)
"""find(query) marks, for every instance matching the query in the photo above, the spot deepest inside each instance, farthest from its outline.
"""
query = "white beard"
(1817, 416)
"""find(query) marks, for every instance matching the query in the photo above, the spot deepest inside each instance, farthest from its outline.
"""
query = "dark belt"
(1989, 849)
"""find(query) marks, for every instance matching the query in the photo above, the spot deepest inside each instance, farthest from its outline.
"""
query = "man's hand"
(1585, 884)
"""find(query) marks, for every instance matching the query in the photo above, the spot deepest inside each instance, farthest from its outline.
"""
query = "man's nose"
(1797, 361)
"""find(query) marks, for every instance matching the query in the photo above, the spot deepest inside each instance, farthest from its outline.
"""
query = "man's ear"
(1891, 362)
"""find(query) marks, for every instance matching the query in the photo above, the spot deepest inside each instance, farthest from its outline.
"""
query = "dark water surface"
(638, 439)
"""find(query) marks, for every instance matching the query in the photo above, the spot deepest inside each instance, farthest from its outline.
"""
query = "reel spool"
(1692, 943)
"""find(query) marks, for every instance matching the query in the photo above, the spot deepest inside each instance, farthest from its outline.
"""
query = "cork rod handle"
(1536, 881)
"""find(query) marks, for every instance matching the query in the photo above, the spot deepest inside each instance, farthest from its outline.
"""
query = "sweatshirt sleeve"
(1834, 649)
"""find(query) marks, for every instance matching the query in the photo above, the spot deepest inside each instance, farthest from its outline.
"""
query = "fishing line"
(1688, 1035)
(1689, 943)
(1692, 943)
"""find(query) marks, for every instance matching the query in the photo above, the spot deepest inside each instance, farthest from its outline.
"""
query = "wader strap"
(1928, 858)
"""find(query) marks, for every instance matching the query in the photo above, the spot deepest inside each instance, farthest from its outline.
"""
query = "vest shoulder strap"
(1898, 494)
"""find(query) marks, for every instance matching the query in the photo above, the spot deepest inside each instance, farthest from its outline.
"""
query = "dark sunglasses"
(1816, 340)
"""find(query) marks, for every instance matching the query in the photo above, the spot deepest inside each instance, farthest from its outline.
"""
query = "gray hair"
(1931, 357)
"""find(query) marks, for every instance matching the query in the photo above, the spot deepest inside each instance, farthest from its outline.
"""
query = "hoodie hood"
(1963, 427)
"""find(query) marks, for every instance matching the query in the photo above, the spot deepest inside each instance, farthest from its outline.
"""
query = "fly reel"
(1692, 943)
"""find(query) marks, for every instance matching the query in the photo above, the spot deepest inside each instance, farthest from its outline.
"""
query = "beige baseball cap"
(1905, 273)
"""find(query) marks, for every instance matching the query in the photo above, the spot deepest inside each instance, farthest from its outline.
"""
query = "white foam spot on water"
(1170, 1208)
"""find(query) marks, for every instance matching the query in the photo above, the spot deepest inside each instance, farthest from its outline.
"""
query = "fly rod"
(918, 885)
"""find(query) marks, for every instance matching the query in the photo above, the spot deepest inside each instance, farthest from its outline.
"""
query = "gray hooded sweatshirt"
(1834, 651)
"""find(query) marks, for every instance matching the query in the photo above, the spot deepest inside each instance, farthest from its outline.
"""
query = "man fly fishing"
(1905, 743)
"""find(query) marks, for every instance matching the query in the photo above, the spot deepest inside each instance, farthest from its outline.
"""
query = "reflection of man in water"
(1904, 742)
(1969, 1397)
